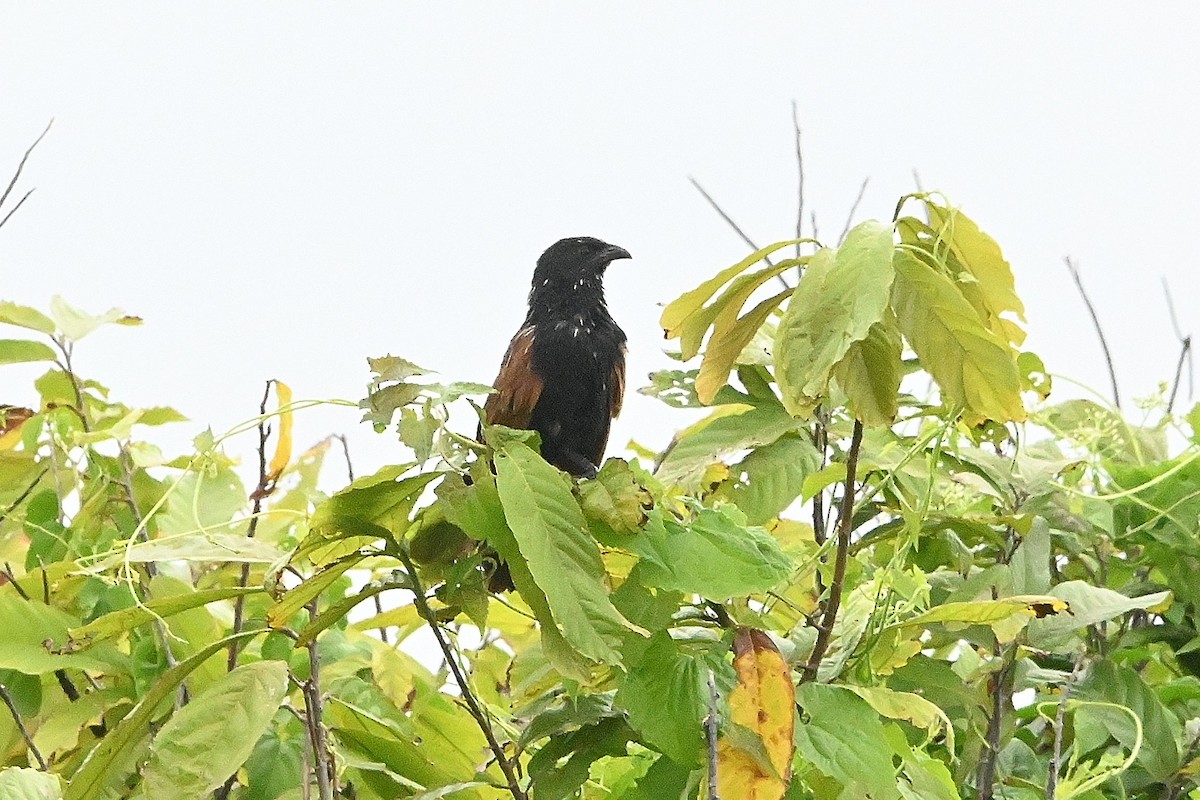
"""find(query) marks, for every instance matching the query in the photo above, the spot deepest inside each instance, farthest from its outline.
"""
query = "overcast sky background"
(281, 190)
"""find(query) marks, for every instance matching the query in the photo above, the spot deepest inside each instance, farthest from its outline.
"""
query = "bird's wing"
(617, 384)
(517, 386)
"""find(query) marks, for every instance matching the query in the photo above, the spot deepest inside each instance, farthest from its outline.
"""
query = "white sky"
(281, 190)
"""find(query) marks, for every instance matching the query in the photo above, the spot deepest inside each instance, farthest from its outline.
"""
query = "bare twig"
(1112, 372)
(1185, 349)
(844, 528)
(917, 180)
(314, 712)
(16, 715)
(736, 228)
(710, 729)
(261, 492)
(800, 178)
(1059, 716)
(464, 686)
(854, 209)
(341, 437)
(17, 176)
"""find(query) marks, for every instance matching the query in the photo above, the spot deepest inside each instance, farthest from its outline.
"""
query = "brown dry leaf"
(763, 702)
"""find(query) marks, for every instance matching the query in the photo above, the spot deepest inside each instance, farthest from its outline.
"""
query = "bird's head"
(577, 257)
(571, 271)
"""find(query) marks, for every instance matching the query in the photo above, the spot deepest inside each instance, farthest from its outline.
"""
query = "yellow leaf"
(283, 445)
(763, 702)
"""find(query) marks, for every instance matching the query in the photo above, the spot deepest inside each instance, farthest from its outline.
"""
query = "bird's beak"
(614, 253)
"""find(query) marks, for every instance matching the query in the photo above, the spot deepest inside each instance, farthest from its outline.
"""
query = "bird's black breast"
(579, 358)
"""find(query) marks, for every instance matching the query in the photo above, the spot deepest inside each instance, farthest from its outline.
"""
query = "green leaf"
(200, 501)
(394, 368)
(124, 620)
(378, 500)
(616, 498)
(666, 697)
(973, 367)
(19, 783)
(160, 415)
(25, 317)
(729, 429)
(563, 764)
(76, 324)
(835, 304)
(1089, 606)
(98, 769)
(841, 735)
(716, 555)
(563, 558)
(870, 374)
(1159, 754)
(30, 630)
(216, 547)
(1030, 564)
(20, 351)
(297, 598)
(210, 738)
(768, 480)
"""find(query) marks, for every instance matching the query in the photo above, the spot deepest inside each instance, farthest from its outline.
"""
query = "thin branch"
(710, 729)
(24, 495)
(314, 715)
(341, 437)
(1059, 716)
(1185, 351)
(15, 208)
(985, 780)
(917, 180)
(1112, 372)
(464, 687)
(736, 228)
(16, 715)
(17, 176)
(800, 177)
(261, 492)
(854, 209)
(64, 680)
(844, 526)
(813, 216)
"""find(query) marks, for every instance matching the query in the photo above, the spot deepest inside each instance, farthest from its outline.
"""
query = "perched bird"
(564, 373)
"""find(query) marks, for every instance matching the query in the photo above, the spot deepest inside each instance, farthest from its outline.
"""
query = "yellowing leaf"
(763, 702)
(283, 444)
(729, 337)
(11, 420)
(973, 367)
(689, 303)
(908, 707)
(991, 288)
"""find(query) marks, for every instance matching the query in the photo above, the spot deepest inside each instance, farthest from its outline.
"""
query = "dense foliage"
(882, 565)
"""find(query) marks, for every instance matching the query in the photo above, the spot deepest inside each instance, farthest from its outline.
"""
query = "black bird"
(564, 373)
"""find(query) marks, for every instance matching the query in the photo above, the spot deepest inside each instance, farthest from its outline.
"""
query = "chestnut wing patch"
(517, 386)
(617, 385)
